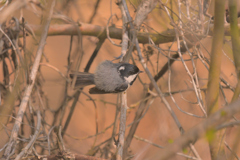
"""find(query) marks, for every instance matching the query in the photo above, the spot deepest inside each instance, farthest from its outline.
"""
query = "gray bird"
(108, 78)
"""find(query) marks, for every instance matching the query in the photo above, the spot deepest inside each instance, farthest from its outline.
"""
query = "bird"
(108, 77)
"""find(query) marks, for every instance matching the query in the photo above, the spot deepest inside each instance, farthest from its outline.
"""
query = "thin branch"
(95, 11)
(122, 125)
(28, 90)
(10, 9)
(230, 149)
(156, 145)
(198, 131)
(33, 139)
(123, 96)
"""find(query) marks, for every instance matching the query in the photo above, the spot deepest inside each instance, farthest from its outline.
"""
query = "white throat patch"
(129, 79)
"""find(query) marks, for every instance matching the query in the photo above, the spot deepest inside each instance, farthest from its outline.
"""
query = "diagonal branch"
(32, 77)
(10, 9)
(209, 124)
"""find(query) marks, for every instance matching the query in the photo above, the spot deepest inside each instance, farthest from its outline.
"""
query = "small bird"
(108, 78)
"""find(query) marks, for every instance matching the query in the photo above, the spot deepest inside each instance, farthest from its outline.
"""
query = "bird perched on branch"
(109, 77)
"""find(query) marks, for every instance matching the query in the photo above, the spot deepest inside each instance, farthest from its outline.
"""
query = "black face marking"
(126, 69)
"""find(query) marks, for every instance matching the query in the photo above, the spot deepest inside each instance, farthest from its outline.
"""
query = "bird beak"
(140, 71)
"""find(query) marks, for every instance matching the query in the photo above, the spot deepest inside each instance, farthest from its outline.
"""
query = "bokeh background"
(156, 125)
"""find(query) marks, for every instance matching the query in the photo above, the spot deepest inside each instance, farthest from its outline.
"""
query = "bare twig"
(123, 96)
(95, 11)
(10, 9)
(33, 139)
(234, 153)
(28, 90)
(91, 136)
(122, 125)
(143, 10)
(156, 145)
(95, 30)
(60, 139)
(56, 69)
(195, 133)
(107, 30)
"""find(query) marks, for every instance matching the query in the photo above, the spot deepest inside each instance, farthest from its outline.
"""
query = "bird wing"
(95, 90)
(122, 88)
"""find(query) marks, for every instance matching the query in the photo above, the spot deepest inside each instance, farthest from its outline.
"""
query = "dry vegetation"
(184, 105)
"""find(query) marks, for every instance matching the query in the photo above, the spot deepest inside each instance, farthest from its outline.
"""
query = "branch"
(10, 9)
(212, 95)
(7, 107)
(235, 42)
(143, 10)
(123, 96)
(72, 157)
(159, 92)
(28, 90)
(209, 124)
(116, 33)
(95, 30)
(34, 137)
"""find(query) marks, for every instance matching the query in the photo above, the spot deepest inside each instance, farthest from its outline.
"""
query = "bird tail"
(82, 79)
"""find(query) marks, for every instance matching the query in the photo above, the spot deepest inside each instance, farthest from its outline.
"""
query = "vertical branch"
(143, 10)
(159, 92)
(233, 17)
(32, 77)
(122, 125)
(216, 54)
(95, 11)
(123, 96)
(206, 4)
(212, 96)
(235, 42)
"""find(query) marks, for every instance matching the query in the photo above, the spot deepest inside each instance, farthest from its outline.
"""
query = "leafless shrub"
(172, 48)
